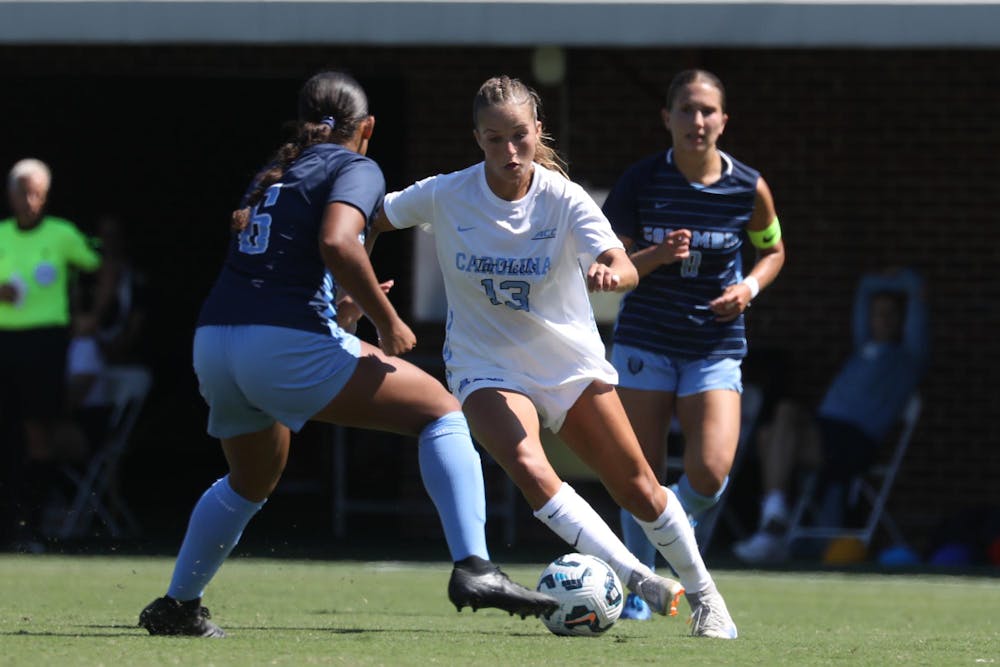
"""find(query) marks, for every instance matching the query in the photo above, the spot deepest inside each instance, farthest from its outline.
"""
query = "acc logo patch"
(545, 234)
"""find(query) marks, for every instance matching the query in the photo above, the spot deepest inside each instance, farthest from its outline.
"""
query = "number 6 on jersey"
(255, 236)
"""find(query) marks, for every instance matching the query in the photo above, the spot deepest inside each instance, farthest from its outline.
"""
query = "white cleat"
(660, 593)
(709, 616)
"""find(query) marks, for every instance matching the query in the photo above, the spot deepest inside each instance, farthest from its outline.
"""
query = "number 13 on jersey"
(515, 291)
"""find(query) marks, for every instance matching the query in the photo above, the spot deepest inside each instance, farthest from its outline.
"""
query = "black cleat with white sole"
(167, 616)
(480, 584)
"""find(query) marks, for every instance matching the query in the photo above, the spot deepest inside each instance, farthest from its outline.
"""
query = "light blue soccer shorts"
(253, 375)
(641, 369)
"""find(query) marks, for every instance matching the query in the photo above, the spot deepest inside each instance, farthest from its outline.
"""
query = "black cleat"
(167, 616)
(478, 583)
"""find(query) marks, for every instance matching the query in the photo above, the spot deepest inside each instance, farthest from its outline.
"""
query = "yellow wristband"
(766, 238)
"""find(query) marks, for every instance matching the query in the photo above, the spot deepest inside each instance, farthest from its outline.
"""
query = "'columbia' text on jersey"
(668, 312)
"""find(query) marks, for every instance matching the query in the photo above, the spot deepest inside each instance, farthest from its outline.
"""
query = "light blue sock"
(635, 539)
(453, 476)
(215, 527)
(693, 502)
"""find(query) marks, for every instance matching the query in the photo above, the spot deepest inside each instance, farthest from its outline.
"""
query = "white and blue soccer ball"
(589, 593)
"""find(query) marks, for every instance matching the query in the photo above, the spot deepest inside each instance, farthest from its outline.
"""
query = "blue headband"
(329, 121)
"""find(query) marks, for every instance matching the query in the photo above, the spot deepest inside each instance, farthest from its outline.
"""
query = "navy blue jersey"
(274, 273)
(668, 312)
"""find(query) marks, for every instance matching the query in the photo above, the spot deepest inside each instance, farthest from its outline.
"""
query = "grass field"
(59, 610)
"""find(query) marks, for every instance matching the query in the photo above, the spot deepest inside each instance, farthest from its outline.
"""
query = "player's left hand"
(733, 301)
(601, 278)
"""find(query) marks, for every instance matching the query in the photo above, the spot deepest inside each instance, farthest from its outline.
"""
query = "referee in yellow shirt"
(37, 254)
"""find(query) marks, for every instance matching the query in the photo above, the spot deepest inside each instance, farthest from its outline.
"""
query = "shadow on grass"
(118, 630)
(134, 631)
(50, 633)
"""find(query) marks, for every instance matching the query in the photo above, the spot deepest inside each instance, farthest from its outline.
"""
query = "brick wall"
(876, 158)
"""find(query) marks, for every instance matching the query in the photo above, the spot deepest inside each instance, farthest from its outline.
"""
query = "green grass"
(57, 610)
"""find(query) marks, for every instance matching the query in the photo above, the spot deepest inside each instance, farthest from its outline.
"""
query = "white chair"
(873, 487)
(95, 488)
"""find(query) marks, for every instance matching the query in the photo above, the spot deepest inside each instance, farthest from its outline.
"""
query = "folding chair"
(96, 492)
(874, 487)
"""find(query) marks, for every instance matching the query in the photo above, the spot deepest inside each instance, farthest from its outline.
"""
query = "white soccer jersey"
(517, 295)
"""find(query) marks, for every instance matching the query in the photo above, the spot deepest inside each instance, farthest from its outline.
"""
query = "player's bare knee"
(256, 480)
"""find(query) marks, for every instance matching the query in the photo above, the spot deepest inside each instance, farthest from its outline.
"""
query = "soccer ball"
(589, 593)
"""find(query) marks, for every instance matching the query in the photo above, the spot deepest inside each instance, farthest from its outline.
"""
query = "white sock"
(673, 535)
(573, 519)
